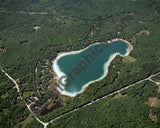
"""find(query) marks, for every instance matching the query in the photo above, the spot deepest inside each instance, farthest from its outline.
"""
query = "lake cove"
(77, 69)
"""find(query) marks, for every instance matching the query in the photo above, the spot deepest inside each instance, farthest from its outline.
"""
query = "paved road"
(28, 106)
(12, 80)
(148, 78)
(20, 12)
(91, 102)
(43, 123)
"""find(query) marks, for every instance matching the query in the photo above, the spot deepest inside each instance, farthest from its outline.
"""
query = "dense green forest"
(127, 111)
(26, 54)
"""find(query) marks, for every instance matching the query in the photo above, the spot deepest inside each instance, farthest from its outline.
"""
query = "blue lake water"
(80, 68)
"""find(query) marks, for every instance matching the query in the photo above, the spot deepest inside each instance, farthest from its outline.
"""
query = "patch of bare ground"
(157, 11)
(153, 102)
(152, 116)
(60, 53)
(2, 49)
(118, 73)
(141, 22)
(91, 32)
(157, 83)
(36, 28)
(158, 89)
(119, 95)
(85, 87)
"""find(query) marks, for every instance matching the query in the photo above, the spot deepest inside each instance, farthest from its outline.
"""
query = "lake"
(77, 69)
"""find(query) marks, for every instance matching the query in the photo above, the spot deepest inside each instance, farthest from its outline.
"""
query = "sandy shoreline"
(59, 73)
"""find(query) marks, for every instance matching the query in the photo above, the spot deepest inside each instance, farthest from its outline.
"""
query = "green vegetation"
(27, 94)
(128, 59)
(158, 10)
(143, 32)
(128, 111)
(27, 56)
(1, 43)
(26, 121)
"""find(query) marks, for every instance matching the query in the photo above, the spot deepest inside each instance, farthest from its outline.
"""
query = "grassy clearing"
(27, 94)
(5, 111)
(60, 53)
(143, 33)
(152, 116)
(128, 59)
(153, 102)
(4, 95)
(119, 95)
(64, 98)
(26, 121)
(158, 105)
(50, 105)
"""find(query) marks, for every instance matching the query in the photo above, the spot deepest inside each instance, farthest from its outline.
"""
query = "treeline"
(127, 111)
